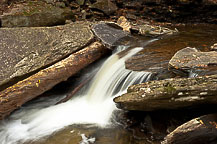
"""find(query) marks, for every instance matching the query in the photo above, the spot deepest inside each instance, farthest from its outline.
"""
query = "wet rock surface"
(190, 58)
(25, 50)
(169, 94)
(35, 14)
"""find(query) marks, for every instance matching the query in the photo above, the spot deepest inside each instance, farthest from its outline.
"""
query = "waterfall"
(95, 106)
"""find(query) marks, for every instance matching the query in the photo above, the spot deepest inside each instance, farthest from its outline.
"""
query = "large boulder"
(170, 94)
(27, 50)
(35, 14)
(187, 59)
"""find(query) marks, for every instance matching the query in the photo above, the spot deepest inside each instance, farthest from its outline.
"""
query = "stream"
(90, 116)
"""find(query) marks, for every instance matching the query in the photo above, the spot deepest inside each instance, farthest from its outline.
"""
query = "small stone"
(214, 47)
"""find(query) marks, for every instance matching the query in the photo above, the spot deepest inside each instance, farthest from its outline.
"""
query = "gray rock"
(190, 58)
(35, 14)
(109, 33)
(25, 50)
(105, 6)
(170, 94)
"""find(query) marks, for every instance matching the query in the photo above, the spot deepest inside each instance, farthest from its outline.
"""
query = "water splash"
(95, 106)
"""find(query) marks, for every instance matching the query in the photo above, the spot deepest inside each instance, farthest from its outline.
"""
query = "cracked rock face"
(25, 50)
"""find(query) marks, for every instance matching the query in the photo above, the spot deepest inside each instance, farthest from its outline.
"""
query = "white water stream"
(96, 106)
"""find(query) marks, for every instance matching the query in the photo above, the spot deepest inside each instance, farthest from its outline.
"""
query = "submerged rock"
(26, 50)
(35, 14)
(170, 94)
(190, 58)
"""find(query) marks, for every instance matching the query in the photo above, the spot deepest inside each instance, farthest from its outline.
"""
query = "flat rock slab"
(34, 14)
(170, 94)
(190, 58)
(109, 33)
(25, 50)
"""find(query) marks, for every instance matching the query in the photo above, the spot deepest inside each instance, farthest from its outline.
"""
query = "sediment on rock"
(15, 96)
(170, 94)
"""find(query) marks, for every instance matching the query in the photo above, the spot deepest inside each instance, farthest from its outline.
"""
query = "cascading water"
(96, 106)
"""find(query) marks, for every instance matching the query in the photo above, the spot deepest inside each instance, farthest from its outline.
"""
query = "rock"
(144, 29)
(15, 96)
(26, 50)
(190, 58)
(80, 2)
(213, 47)
(35, 14)
(201, 130)
(170, 94)
(3, 1)
(124, 23)
(109, 33)
(106, 6)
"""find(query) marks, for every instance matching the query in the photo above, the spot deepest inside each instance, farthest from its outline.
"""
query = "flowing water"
(95, 106)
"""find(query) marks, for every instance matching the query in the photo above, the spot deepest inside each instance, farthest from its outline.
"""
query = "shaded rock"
(25, 50)
(190, 58)
(106, 6)
(109, 33)
(15, 96)
(35, 14)
(170, 94)
(201, 130)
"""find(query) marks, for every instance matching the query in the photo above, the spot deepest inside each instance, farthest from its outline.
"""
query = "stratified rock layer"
(170, 94)
(25, 50)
